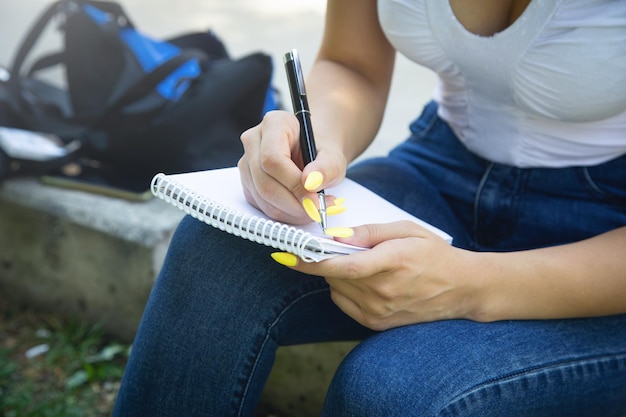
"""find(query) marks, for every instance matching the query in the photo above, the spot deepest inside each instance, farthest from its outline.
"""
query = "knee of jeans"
(369, 384)
(197, 241)
(186, 234)
(372, 381)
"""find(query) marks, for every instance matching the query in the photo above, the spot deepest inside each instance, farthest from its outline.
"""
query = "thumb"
(328, 169)
(370, 235)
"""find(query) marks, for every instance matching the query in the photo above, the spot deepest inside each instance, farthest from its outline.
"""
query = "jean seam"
(423, 133)
(597, 191)
(477, 196)
(529, 371)
(267, 338)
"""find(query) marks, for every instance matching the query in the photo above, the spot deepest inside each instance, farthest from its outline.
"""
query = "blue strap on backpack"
(136, 103)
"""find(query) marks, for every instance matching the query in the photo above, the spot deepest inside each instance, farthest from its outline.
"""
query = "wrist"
(478, 273)
(503, 288)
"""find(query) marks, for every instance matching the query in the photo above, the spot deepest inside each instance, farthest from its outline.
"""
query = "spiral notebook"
(215, 197)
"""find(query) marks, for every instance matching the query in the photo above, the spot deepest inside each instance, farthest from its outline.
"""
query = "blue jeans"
(221, 307)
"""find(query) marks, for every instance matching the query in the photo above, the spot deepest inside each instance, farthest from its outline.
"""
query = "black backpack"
(132, 104)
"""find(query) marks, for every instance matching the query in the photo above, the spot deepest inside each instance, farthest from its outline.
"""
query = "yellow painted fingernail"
(285, 258)
(334, 210)
(313, 181)
(339, 201)
(311, 210)
(340, 231)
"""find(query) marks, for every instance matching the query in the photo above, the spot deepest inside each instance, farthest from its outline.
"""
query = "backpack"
(132, 104)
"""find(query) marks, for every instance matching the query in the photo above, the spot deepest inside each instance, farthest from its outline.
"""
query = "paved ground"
(272, 26)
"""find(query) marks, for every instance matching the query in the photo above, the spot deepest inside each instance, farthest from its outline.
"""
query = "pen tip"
(322, 210)
(323, 223)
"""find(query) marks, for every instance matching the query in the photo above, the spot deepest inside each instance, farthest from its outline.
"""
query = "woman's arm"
(347, 90)
(411, 276)
(582, 279)
(350, 79)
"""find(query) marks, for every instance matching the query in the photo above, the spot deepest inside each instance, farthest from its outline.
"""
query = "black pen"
(300, 104)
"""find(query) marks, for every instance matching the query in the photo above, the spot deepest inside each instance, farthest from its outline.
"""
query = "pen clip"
(295, 58)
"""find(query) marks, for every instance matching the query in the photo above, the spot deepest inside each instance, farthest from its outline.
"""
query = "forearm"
(582, 279)
(349, 82)
(338, 111)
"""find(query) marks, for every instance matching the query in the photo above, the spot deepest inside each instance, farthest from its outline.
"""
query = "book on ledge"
(215, 197)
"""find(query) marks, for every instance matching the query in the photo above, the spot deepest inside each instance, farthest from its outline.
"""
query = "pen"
(300, 104)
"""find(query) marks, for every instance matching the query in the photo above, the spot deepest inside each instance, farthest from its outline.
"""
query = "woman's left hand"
(409, 275)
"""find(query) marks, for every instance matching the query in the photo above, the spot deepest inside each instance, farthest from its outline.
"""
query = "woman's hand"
(409, 276)
(347, 88)
(272, 172)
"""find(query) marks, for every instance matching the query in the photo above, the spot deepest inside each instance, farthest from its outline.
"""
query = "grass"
(50, 367)
(54, 367)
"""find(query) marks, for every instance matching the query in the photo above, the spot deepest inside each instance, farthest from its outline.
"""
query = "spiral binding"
(267, 232)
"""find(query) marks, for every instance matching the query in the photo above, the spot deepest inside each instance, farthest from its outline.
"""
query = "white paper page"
(223, 186)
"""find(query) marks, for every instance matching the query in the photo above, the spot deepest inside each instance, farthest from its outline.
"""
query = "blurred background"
(245, 26)
(52, 368)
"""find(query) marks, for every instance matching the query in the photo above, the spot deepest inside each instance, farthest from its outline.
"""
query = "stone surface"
(95, 257)
(301, 375)
(81, 254)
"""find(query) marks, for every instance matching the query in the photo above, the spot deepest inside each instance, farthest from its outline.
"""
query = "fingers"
(371, 235)
(271, 169)
(327, 170)
(390, 241)
(271, 197)
(392, 283)
(270, 177)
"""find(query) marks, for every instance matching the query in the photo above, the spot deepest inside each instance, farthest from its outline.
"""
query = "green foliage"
(54, 368)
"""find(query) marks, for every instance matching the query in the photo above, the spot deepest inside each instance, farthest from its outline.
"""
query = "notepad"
(216, 198)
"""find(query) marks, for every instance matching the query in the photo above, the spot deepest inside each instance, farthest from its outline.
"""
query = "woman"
(520, 157)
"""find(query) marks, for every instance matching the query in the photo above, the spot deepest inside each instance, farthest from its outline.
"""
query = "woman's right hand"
(272, 171)
(347, 90)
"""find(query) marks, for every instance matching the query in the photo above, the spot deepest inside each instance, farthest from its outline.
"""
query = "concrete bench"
(96, 257)
(79, 253)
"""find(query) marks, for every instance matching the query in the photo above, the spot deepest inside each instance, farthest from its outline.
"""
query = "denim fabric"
(220, 306)
(462, 368)
(219, 309)
(489, 206)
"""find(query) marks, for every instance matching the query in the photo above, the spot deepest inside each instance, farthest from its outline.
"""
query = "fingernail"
(285, 258)
(339, 201)
(340, 231)
(313, 181)
(311, 209)
(334, 210)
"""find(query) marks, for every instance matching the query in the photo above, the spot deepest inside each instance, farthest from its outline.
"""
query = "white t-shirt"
(548, 91)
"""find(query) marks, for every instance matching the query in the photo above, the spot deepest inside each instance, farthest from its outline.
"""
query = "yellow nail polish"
(311, 210)
(313, 181)
(340, 231)
(285, 258)
(334, 210)
(339, 201)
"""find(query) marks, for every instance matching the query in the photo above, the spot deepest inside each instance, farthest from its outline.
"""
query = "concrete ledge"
(82, 254)
(95, 257)
(298, 383)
